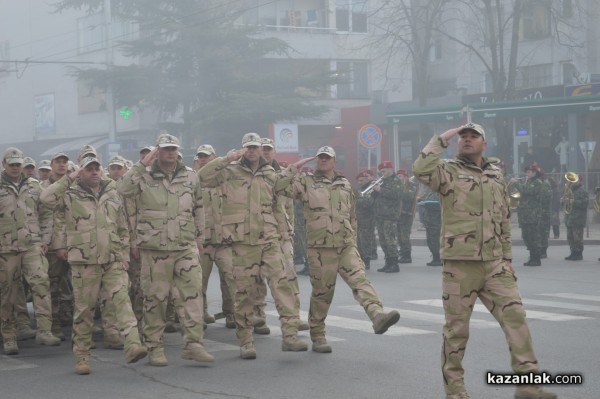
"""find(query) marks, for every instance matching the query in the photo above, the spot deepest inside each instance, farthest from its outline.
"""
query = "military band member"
(529, 212)
(432, 219)
(405, 216)
(545, 214)
(387, 196)
(476, 253)
(576, 219)
(328, 201)
(365, 220)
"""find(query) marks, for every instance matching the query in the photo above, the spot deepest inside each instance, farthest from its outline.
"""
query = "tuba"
(567, 198)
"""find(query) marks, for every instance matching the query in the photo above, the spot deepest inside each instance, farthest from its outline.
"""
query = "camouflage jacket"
(530, 207)
(474, 202)
(578, 215)
(365, 207)
(248, 199)
(546, 202)
(50, 223)
(170, 216)
(407, 198)
(284, 211)
(388, 198)
(92, 227)
(213, 208)
(21, 215)
(328, 207)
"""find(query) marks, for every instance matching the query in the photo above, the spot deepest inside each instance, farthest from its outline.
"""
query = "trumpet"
(567, 199)
(514, 195)
(368, 190)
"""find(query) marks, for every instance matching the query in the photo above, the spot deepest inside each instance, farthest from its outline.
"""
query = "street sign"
(587, 149)
(370, 136)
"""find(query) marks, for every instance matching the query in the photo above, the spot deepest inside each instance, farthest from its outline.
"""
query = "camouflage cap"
(28, 161)
(87, 161)
(474, 127)
(45, 164)
(326, 150)
(59, 155)
(146, 148)
(167, 140)
(87, 150)
(117, 160)
(13, 155)
(267, 142)
(251, 139)
(205, 149)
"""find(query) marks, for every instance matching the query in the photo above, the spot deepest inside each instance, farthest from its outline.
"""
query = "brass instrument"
(514, 195)
(567, 198)
(368, 190)
(597, 200)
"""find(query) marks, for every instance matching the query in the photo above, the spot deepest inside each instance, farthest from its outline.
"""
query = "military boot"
(543, 254)
(157, 357)
(534, 259)
(435, 262)
(208, 318)
(386, 266)
(533, 392)
(170, 327)
(570, 257)
(247, 351)
(46, 338)
(320, 345)
(113, 341)
(293, 344)
(367, 263)
(10, 346)
(405, 257)
(383, 321)
(303, 326)
(577, 255)
(25, 332)
(82, 366)
(261, 327)
(134, 353)
(393, 268)
(196, 351)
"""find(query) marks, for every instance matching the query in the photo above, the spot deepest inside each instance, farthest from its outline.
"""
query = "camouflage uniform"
(545, 220)
(169, 227)
(249, 225)
(476, 251)
(21, 253)
(92, 227)
(576, 221)
(405, 221)
(529, 213)
(365, 221)
(331, 238)
(387, 203)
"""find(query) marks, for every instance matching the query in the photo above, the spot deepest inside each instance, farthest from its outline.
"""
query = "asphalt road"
(562, 299)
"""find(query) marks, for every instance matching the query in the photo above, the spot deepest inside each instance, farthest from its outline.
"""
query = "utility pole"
(110, 102)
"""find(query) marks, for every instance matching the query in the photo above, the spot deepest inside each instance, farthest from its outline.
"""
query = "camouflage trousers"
(251, 263)
(403, 235)
(387, 230)
(495, 285)
(108, 282)
(33, 266)
(219, 255)
(531, 236)
(177, 274)
(544, 232)
(325, 264)
(575, 238)
(432, 219)
(365, 239)
(60, 292)
(135, 290)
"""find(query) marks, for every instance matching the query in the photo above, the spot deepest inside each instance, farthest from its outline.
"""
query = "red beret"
(385, 164)
(402, 172)
(370, 172)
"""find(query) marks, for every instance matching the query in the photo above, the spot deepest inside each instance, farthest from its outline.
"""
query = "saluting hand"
(448, 134)
(303, 162)
(234, 155)
(150, 157)
(75, 174)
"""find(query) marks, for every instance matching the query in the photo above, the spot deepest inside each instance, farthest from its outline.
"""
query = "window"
(569, 73)
(91, 33)
(536, 76)
(355, 77)
(351, 15)
(535, 20)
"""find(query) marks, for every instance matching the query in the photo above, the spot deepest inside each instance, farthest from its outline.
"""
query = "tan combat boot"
(293, 344)
(260, 327)
(533, 392)
(134, 353)
(247, 351)
(383, 321)
(46, 338)
(82, 366)
(10, 346)
(208, 318)
(170, 327)
(113, 341)
(320, 345)
(196, 351)
(25, 332)
(157, 357)
(303, 326)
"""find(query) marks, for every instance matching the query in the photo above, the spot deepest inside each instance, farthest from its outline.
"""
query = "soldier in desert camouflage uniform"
(328, 201)
(44, 170)
(170, 224)
(249, 224)
(22, 250)
(92, 234)
(477, 254)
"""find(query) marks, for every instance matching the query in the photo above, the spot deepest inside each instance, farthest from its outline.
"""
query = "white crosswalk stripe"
(531, 314)
(7, 364)
(561, 305)
(567, 295)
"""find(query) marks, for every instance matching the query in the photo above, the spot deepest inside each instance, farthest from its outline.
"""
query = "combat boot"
(577, 255)
(434, 262)
(170, 327)
(293, 344)
(157, 357)
(229, 321)
(533, 392)
(303, 326)
(543, 254)
(406, 258)
(367, 263)
(383, 321)
(247, 351)
(25, 332)
(196, 351)
(208, 318)
(134, 353)
(570, 257)
(46, 338)
(393, 268)
(82, 366)
(320, 345)
(113, 341)
(386, 266)
(10, 346)
(260, 327)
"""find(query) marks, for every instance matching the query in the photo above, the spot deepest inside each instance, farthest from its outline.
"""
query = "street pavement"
(562, 301)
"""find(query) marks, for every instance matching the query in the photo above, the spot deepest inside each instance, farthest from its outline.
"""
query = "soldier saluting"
(476, 253)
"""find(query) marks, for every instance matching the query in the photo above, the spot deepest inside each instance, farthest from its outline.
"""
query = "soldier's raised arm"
(199, 218)
(129, 185)
(213, 174)
(289, 183)
(123, 233)
(427, 166)
(52, 194)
